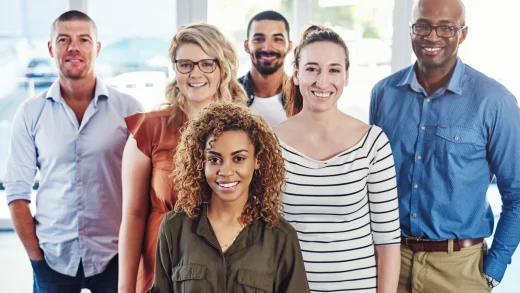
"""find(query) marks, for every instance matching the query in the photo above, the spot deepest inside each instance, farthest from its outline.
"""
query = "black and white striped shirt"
(340, 208)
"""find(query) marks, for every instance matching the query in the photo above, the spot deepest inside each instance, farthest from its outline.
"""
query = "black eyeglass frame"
(198, 63)
(454, 29)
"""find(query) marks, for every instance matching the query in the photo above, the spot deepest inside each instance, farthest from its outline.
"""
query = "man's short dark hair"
(268, 15)
(70, 16)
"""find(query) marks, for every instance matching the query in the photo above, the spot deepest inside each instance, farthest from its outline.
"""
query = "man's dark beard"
(266, 70)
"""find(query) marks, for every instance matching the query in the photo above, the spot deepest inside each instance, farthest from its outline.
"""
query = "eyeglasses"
(205, 65)
(442, 31)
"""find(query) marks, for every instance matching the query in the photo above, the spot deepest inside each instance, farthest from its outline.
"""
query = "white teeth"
(432, 49)
(227, 185)
(74, 60)
(197, 84)
(321, 95)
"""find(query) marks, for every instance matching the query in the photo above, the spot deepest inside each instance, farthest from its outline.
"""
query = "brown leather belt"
(427, 245)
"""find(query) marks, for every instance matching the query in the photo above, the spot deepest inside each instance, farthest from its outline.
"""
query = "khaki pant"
(443, 272)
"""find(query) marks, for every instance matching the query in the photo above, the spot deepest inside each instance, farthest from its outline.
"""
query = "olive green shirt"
(189, 258)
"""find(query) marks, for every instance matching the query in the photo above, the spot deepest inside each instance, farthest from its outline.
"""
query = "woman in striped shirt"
(340, 194)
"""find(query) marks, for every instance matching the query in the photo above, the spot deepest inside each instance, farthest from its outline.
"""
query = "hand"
(36, 255)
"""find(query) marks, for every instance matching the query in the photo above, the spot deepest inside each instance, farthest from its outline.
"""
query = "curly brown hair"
(265, 190)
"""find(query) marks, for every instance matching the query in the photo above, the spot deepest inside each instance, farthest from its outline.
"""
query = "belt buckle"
(417, 239)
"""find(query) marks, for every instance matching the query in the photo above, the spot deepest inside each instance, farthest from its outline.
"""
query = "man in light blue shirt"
(451, 129)
(74, 134)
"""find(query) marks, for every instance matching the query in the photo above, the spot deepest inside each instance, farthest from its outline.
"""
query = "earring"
(177, 90)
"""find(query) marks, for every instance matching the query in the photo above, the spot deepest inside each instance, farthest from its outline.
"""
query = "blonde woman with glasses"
(205, 71)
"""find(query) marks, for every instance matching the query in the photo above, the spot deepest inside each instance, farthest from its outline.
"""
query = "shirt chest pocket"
(253, 282)
(457, 146)
(190, 279)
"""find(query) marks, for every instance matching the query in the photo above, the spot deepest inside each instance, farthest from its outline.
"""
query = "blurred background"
(135, 37)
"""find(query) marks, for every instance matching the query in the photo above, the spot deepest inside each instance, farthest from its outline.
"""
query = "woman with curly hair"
(205, 71)
(226, 234)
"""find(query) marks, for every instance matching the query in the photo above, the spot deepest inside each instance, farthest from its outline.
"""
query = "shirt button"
(423, 128)
(414, 215)
(419, 157)
(415, 186)
(456, 138)
(427, 100)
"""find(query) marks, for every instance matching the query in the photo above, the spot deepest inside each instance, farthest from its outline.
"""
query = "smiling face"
(321, 75)
(199, 87)
(74, 47)
(229, 166)
(432, 51)
(268, 45)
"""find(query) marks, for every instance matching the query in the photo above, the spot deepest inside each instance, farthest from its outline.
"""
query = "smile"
(228, 184)
(432, 49)
(197, 84)
(322, 95)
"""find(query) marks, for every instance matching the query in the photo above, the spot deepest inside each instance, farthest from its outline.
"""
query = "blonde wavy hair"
(213, 43)
(265, 190)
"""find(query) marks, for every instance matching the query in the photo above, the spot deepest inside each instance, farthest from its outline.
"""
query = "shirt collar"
(454, 84)
(54, 92)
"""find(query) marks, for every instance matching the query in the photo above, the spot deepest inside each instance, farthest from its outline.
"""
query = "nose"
(433, 37)
(196, 71)
(73, 46)
(225, 170)
(266, 45)
(322, 79)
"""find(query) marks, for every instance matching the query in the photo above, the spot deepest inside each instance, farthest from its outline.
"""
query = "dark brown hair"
(313, 34)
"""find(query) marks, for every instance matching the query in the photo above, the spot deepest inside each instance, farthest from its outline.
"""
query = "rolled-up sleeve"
(21, 160)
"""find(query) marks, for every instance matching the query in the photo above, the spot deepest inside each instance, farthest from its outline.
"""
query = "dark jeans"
(47, 280)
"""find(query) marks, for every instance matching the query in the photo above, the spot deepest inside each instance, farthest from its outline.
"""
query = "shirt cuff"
(494, 268)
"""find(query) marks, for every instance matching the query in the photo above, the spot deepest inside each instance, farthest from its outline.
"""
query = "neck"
(193, 109)
(432, 79)
(225, 212)
(265, 86)
(78, 89)
(319, 122)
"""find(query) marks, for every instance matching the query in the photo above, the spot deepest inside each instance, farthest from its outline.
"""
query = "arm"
(384, 216)
(291, 276)
(163, 263)
(388, 259)
(504, 157)
(136, 188)
(372, 115)
(21, 170)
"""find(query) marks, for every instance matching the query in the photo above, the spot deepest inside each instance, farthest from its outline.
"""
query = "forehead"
(190, 51)
(230, 140)
(268, 27)
(323, 53)
(437, 11)
(74, 28)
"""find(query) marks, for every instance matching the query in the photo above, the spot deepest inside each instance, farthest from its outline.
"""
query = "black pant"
(47, 280)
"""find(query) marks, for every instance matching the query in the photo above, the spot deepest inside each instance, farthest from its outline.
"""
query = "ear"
(290, 47)
(296, 78)
(463, 35)
(257, 164)
(98, 48)
(49, 47)
(246, 46)
(347, 75)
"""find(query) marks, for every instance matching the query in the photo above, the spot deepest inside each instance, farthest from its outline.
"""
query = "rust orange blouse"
(157, 139)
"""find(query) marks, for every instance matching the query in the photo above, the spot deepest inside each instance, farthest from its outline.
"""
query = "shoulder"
(283, 228)
(174, 220)
(157, 118)
(482, 87)
(391, 80)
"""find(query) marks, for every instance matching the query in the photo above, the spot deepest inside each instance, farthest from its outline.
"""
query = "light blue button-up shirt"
(78, 203)
(447, 146)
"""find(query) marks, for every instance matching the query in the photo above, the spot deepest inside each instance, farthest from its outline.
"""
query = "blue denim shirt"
(447, 146)
(78, 203)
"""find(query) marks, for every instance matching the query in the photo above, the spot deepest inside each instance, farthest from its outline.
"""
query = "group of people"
(260, 183)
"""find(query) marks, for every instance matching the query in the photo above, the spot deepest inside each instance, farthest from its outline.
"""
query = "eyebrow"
(274, 35)
(218, 154)
(444, 21)
(68, 36)
(315, 63)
